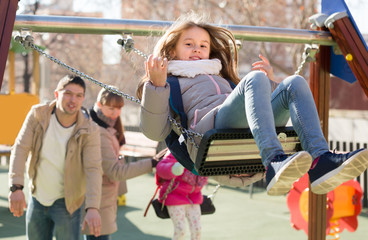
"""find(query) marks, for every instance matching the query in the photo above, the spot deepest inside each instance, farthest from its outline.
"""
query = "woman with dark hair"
(106, 113)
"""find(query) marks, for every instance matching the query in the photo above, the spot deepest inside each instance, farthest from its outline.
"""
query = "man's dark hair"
(68, 79)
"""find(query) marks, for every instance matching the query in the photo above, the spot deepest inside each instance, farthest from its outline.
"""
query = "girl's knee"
(297, 81)
(256, 75)
(255, 78)
(297, 86)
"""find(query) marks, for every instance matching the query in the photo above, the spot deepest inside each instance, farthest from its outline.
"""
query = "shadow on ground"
(128, 230)
(14, 227)
(11, 226)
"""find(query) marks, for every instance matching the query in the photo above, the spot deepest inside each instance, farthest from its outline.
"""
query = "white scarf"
(191, 69)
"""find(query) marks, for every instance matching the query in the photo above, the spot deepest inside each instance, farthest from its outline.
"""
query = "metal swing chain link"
(309, 54)
(186, 132)
(128, 45)
(27, 42)
(212, 196)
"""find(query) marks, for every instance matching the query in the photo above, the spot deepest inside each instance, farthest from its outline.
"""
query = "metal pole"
(88, 25)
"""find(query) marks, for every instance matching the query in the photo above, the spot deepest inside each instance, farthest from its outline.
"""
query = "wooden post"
(352, 48)
(320, 87)
(8, 9)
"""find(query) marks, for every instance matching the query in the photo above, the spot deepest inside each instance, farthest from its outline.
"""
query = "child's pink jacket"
(187, 187)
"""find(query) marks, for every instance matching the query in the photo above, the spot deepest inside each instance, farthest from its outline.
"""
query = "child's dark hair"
(68, 79)
(222, 46)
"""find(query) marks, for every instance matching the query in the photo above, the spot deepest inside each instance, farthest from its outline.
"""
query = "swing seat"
(234, 151)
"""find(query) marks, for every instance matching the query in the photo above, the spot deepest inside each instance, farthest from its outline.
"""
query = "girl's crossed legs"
(252, 105)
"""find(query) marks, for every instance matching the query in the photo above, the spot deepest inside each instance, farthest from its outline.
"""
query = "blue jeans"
(102, 237)
(42, 222)
(251, 104)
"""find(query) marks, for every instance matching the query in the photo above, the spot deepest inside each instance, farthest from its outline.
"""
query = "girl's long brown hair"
(222, 47)
(107, 98)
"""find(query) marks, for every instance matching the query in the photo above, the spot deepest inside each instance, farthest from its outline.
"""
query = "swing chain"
(27, 42)
(212, 196)
(128, 44)
(309, 55)
(186, 132)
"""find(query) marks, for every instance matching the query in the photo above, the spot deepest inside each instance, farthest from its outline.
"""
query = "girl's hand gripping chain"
(156, 70)
(264, 66)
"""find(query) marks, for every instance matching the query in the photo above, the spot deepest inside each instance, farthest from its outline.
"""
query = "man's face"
(70, 99)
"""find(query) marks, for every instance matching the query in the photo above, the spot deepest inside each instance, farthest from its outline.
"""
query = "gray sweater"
(202, 96)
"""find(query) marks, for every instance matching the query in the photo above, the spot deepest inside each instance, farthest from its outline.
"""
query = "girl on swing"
(204, 57)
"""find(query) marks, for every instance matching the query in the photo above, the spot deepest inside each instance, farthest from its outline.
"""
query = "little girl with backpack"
(180, 192)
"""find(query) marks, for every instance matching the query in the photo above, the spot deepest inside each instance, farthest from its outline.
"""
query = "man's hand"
(93, 220)
(17, 203)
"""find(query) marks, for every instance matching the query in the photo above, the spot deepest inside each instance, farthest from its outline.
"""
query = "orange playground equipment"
(343, 207)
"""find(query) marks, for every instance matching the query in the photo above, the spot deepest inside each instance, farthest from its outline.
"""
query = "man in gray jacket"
(64, 167)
